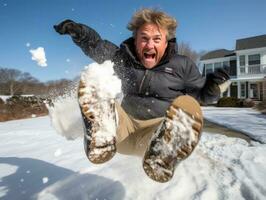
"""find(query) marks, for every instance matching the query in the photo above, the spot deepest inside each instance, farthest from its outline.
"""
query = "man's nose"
(150, 43)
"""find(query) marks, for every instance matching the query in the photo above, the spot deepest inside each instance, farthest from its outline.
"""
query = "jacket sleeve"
(202, 88)
(94, 46)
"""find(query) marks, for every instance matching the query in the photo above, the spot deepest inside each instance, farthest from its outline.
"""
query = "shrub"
(229, 102)
(248, 103)
(235, 102)
(2, 101)
(18, 107)
(261, 106)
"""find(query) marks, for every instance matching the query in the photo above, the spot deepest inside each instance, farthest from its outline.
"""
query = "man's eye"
(144, 38)
(157, 40)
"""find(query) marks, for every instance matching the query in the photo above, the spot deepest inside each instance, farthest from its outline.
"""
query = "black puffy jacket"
(148, 92)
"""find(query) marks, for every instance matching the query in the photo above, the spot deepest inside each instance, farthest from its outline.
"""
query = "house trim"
(250, 76)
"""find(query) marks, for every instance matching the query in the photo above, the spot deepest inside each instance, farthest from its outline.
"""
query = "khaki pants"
(133, 135)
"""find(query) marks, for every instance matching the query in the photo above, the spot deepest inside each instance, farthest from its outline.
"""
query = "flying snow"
(45, 180)
(65, 116)
(39, 56)
(58, 152)
(102, 76)
(65, 112)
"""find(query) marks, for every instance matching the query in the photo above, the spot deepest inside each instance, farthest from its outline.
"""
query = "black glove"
(68, 27)
(219, 76)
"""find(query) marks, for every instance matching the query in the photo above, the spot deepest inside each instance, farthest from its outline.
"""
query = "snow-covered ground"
(38, 163)
(4, 98)
(248, 121)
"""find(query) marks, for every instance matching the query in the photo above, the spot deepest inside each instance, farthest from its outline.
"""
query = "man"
(159, 117)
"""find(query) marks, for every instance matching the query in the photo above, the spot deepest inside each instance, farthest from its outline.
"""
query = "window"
(254, 90)
(242, 70)
(226, 64)
(225, 94)
(208, 68)
(242, 61)
(217, 65)
(254, 59)
(242, 90)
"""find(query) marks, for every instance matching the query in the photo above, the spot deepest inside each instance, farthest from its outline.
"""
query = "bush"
(261, 106)
(229, 102)
(19, 107)
(235, 102)
(248, 103)
(2, 101)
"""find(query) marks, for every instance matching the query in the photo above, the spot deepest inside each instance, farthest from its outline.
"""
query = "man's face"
(150, 43)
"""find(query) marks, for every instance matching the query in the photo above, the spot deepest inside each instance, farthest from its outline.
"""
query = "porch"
(251, 70)
(247, 89)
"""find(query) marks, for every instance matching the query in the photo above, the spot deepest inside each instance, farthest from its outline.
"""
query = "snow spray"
(65, 112)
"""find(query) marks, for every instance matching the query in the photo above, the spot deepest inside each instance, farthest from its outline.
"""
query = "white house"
(246, 66)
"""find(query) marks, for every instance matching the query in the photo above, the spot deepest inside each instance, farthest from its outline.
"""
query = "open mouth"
(149, 55)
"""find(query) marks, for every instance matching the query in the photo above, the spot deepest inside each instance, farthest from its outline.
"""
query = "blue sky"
(205, 25)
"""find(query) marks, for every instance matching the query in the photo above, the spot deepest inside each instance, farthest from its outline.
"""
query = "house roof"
(251, 42)
(219, 53)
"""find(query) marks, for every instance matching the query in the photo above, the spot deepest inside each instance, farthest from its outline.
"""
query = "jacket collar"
(129, 47)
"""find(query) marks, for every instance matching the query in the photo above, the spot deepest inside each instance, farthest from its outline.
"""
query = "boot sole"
(167, 147)
(99, 146)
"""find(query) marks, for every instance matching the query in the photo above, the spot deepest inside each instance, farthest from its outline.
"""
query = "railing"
(253, 70)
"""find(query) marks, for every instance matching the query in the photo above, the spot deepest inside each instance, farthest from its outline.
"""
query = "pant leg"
(125, 124)
(146, 128)
(134, 135)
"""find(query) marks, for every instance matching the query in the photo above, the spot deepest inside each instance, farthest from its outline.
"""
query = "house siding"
(264, 90)
(252, 76)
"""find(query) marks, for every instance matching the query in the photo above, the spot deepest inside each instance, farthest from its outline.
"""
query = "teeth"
(149, 55)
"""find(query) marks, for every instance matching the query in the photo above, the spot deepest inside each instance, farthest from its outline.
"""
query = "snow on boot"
(174, 140)
(99, 114)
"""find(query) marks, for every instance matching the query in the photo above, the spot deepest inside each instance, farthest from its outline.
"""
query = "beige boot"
(100, 124)
(174, 140)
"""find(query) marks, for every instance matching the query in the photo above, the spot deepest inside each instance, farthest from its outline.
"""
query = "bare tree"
(59, 87)
(14, 81)
(10, 77)
(29, 83)
(186, 50)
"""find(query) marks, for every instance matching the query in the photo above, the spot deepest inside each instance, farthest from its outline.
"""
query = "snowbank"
(43, 164)
(246, 120)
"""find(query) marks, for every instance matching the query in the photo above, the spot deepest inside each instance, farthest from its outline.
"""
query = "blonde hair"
(154, 16)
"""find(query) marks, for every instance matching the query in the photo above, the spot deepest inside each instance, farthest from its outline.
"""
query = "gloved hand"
(221, 78)
(68, 27)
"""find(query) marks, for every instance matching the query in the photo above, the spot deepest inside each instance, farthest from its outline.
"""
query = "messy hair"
(155, 16)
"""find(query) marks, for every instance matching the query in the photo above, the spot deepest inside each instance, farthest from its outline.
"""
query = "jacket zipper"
(142, 81)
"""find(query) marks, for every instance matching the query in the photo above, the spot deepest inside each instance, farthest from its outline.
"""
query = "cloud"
(39, 56)
(27, 44)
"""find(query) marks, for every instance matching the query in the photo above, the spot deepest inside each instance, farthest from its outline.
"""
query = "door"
(254, 91)
(232, 71)
(233, 90)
